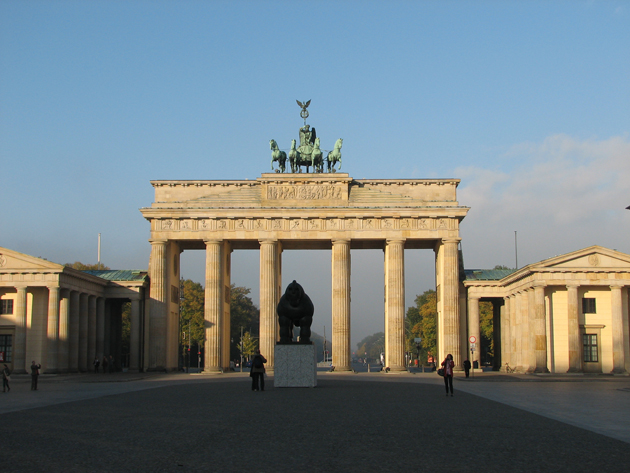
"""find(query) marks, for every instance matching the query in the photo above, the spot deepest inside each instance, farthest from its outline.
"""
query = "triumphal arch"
(281, 211)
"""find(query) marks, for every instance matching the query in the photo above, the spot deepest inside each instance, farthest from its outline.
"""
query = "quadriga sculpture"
(295, 309)
(334, 156)
(276, 155)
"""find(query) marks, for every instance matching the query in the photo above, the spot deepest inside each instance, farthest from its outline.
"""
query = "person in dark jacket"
(34, 375)
(6, 377)
(467, 367)
(448, 364)
(258, 371)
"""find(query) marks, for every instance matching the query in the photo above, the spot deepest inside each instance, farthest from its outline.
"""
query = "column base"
(295, 366)
(395, 369)
(212, 370)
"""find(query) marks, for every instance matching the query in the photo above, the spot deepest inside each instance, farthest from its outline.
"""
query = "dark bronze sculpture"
(295, 309)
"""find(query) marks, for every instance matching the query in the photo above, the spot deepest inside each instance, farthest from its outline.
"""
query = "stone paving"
(349, 422)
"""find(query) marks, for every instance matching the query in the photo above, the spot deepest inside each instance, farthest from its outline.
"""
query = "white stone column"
(473, 329)
(64, 331)
(529, 318)
(134, 336)
(213, 306)
(341, 305)
(394, 305)
(540, 328)
(19, 351)
(505, 333)
(83, 332)
(450, 299)
(159, 298)
(269, 283)
(518, 332)
(73, 342)
(53, 329)
(619, 363)
(91, 332)
(575, 355)
(100, 327)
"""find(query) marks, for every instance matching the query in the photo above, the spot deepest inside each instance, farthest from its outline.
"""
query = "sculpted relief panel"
(306, 224)
(297, 192)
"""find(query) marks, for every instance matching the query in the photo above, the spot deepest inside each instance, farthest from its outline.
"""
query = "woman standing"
(448, 365)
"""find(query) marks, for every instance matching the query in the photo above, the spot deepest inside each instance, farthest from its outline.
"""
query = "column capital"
(158, 241)
(616, 286)
(53, 286)
(451, 240)
(340, 240)
(572, 285)
(268, 241)
(474, 298)
(395, 240)
(542, 284)
(212, 241)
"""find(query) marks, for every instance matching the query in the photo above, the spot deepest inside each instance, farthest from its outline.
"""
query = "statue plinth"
(295, 366)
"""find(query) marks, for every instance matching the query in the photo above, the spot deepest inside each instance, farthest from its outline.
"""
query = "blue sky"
(526, 102)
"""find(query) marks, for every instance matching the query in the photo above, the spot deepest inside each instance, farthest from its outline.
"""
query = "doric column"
(619, 363)
(506, 342)
(213, 306)
(540, 328)
(134, 336)
(529, 317)
(518, 331)
(158, 315)
(91, 348)
(473, 328)
(64, 332)
(83, 332)
(269, 283)
(100, 327)
(513, 357)
(73, 342)
(19, 352)
(53, 329)
(394, 305)
(575, 357)
(341, 305)
(450, 296)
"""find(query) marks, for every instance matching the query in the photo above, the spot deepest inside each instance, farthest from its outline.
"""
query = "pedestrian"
(448, 365)
(467, 367)
(105, 363)
(6, 377)
(96, 364)
(34, 375)
(111, 364)
(258, 371)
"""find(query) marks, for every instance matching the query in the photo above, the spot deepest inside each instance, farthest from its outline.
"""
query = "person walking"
(448, 364)
(6, 377)
(96, 364)
(467, 367)
(258, 371)
(34, 375)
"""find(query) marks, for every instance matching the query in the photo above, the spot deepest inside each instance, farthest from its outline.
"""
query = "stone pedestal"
(295, 366)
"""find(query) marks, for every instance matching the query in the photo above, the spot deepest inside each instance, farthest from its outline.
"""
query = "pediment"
(591, 258)
(13, 260)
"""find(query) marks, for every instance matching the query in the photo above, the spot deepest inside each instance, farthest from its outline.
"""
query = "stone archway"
(301, 211)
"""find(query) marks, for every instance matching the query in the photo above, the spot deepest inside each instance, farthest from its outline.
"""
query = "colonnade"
(217, 311)
(74, 329)
(526, 325)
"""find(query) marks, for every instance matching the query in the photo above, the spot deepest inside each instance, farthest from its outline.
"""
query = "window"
(589, 343)
(588, 305)
(6, 307)
(6, 347)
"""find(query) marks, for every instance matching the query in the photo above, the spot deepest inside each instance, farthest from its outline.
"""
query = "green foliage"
(85, 267)
(373, 345)
(500, 266)
(191, 315)
(486, 330)
(243, 315)
(421, 322)
(249, 345)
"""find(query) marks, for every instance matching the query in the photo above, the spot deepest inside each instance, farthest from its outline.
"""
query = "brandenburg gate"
(284, 211)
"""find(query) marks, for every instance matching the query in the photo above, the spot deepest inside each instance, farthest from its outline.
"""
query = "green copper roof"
(487, 274)
(119, 274)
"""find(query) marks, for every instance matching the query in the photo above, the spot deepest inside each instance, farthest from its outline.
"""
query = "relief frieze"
(311, 192)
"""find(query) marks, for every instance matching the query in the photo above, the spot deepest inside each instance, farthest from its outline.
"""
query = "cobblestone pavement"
(354, 423)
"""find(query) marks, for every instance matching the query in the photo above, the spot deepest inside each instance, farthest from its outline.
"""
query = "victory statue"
(308, 153)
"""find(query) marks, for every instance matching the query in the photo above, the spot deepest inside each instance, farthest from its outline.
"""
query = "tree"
(500, 266)
(191, 316)
(249, 345)
(421, 322)
(86, 267)
(243, 315)
(373, 345)
(486, 328)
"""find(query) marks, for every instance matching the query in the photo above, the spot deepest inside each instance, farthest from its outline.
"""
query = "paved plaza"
(349, 422)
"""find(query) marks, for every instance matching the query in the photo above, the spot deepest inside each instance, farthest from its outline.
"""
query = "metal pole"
(99, 251)
(516, 248)
(241, 348)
